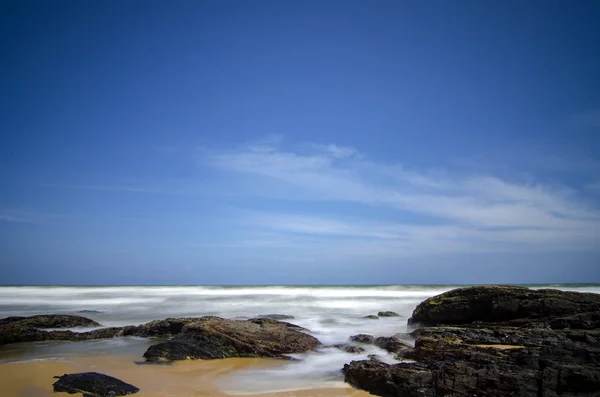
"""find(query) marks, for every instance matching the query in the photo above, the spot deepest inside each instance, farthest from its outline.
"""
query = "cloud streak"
(449, 212)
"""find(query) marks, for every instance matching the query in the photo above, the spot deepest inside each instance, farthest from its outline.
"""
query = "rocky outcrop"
(504, 305)
(49, 321)
(93, 384)
(388, 314)
(214, 337)
(533, 348)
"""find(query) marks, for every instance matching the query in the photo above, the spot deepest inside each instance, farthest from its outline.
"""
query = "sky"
(299, 142)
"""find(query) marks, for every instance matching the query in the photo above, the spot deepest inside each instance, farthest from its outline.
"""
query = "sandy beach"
(198, 378)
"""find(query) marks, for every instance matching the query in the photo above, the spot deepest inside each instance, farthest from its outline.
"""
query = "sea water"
(331, 313)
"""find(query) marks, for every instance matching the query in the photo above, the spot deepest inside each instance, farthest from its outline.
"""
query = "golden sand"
(183, 379)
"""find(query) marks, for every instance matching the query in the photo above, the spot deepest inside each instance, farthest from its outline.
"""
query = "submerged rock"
(214, 337)
(349, 348)
(504, 346)
(371, 317)
(388, 314)
(93, 384)
(90, 311)
(50, 321)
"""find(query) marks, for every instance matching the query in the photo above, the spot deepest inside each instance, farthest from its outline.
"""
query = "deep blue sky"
(299, 142)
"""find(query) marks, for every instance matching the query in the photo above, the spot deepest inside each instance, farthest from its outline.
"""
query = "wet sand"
(197, 378)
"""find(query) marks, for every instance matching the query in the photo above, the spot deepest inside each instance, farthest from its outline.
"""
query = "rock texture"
(482, 342)
(93, 384)
(214, 337)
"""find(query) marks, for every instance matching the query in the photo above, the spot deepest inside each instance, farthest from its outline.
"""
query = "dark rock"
(388, 314)
(362, 338)
(505, 304)
(371, 317)
(90, 311)
(375, 357)
(349, 348)
(214, 337)
(159, 328)
(391, 344)
(532, 348)
(276, 316)
(93, 384)
(400, 380)
(49, 321)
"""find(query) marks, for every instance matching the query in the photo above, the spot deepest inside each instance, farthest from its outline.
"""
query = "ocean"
(331, 313)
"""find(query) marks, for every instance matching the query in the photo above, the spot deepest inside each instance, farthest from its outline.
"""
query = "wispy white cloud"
(25, 216)
(467, 213)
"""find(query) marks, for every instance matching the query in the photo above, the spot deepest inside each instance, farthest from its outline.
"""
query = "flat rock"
(214, 337)
(50, 321)
(93, 384)
(371, 317)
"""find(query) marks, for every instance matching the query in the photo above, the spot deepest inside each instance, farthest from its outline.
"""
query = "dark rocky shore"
(494, 341)
(488, 341)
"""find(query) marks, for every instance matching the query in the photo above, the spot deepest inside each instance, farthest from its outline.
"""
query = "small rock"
(371, 317)
(93, 384)
(362, 338)
(388, 314)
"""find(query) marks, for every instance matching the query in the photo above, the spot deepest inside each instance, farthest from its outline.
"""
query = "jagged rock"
(49, 321)
(388, 314)
(214, 337)
(528, 350)
(93, 384)
(372, 317)
(362, 338)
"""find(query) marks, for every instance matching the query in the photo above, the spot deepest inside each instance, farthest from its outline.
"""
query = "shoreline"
(192, 378)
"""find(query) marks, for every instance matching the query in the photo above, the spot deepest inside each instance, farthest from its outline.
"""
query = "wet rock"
(362, 338)
(349, 348)
(525, 352)
(371, 317)
(388, 314)
(214, 337)
(391, 343)
(375, 357)
(90, 311)
(93, 384)
(159, 328)
(49, 321)
(506, 305)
